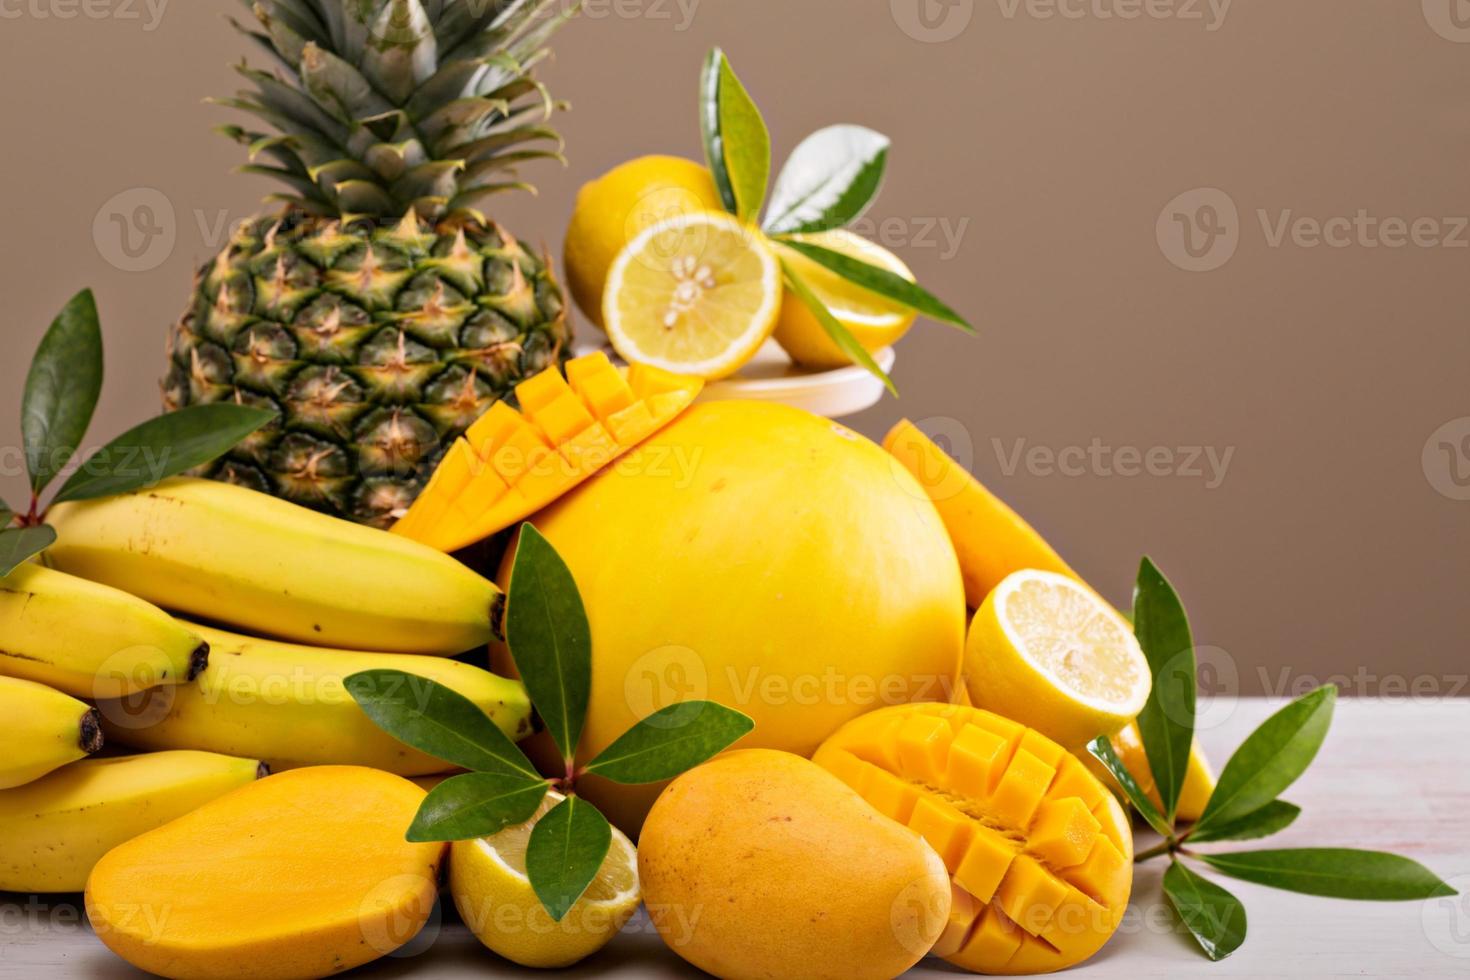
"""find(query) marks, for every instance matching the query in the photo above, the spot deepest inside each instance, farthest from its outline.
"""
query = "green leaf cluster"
(1246, 803)
(551, 643)
(830, 181)
(61, 392)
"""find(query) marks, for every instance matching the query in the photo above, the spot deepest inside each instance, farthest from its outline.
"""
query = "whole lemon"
(615, 208)
(764, 558)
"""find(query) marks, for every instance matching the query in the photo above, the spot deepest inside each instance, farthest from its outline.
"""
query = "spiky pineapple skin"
(377, 345)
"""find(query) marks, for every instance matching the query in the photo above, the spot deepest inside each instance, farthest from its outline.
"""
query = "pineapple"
(378, 312)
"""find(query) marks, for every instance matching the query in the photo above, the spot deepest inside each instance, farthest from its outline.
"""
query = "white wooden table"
(1393, 776)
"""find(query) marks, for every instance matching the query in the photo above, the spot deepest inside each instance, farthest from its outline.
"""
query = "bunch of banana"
(246, 559)
(90, 640)
(45, 730)
(53, 830)
(288, 705)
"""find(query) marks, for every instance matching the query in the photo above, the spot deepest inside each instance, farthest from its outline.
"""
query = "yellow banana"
(42, 729)
(90, 640)
(52, 831)
(287, 705)
(249, 560)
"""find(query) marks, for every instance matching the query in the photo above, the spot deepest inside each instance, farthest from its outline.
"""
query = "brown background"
(1049, 144)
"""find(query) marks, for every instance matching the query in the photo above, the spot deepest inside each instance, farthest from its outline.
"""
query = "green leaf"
(888, 284)
(736, 140)
(566, 850)
(163, 447)
(669, 741)
(476, 804)
(840, 335)
(830, 180)
(1214, 916)
(1334, 872)
(1102, 751)
(437, 721)
(61, 389)
(549, 639)
(6, 515)
(1270, 759)
(22, 543)
(1270, 819)
(1166, 723)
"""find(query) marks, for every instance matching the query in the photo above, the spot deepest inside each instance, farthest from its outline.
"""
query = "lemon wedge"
(1046, 651)
(697, 295)
(873, 320)
(487, 877)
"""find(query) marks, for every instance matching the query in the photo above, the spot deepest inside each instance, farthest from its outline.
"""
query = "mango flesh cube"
(985, 864)
(541, 390)
(492, 429)
(946, 829)
(601, 386)
(521, 453)
(562, 419)
(1030, 894)
(964, 911)
(632, 425)
(1063, 832)
(590, 450)
(995, 939)
(1020, 791)
(923, 746)
(1039, 848)
(977, 757)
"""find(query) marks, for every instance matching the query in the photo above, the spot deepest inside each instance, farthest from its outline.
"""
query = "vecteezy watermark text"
(1207, 463)
(1208, 13)
(148, 13)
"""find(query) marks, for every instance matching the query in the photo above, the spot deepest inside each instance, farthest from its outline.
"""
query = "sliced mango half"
(512, 463)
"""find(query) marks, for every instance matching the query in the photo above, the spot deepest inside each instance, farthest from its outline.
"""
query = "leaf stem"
(1163, 847)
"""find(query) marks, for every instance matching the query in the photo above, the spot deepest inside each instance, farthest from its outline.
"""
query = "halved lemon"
(697, 294)
(873, 320)
(1044, 650)
(487, 877)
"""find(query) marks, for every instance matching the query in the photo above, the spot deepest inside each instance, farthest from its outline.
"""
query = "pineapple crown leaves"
(550, 640)
(381, 107)
(1245, 804)
(830, 181)
(61, 392)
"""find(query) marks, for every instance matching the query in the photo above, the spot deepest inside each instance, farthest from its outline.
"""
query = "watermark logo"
(1450, 19)
(136, 230)
(1199, 230)
(1446, 459)
(663, 676)
(932, 21)
(1447, 920)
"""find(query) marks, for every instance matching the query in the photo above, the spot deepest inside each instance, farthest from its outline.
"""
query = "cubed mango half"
(1039, 852)
(511, 463)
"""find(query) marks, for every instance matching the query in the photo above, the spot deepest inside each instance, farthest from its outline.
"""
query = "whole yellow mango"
(760, 864)
(765, 558)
